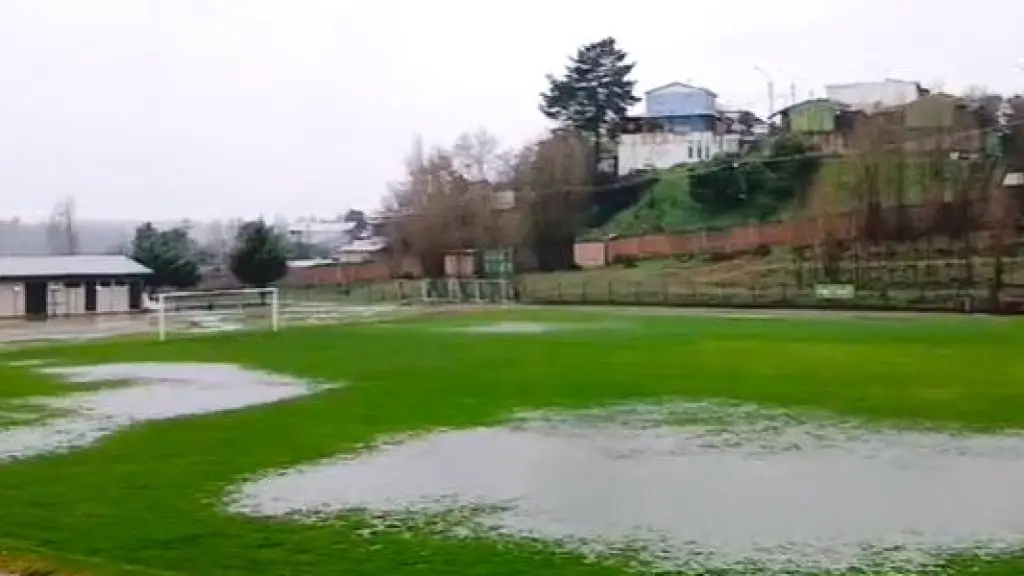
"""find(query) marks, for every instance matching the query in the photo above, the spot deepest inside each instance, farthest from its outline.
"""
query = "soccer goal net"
(215, 311)
(467, 291)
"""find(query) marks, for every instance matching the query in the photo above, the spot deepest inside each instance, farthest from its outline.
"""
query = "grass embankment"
(776, 279)
(669, 207)
(149, 496)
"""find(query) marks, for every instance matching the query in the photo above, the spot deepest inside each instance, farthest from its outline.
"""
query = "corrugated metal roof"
(42, 266)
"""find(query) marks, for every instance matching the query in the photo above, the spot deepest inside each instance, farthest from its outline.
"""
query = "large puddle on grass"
(690, 487)
(150, 391)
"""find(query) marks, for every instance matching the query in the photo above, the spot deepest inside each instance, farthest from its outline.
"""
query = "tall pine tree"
(594, 92)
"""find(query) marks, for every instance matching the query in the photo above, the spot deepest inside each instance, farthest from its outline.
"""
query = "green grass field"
(145, 501)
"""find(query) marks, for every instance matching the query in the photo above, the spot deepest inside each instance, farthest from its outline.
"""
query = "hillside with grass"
(783, 183)
(725, 192)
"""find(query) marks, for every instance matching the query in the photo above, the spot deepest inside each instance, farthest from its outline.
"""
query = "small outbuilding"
(51, 286)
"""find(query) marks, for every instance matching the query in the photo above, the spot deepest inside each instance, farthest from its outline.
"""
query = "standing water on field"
(152, 391)
(689, 486)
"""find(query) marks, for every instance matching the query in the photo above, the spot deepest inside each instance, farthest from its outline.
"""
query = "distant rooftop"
(366, 245)
(680, 85)
(66, 266)
(320, 226)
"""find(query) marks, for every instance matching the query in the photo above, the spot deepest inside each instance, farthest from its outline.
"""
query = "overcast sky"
(217, 108)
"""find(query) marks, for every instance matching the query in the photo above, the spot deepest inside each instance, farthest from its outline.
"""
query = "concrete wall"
(64, 299)
(796, 233)
(341, 274)
(67, 298)
(590, 254)
(12, 300)
(663, 150)
(111, 297)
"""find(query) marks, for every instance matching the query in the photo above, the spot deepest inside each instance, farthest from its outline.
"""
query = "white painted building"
(50, 286)
(660, 150)
(873, 96)
(682, 124)
(327, 233)
(362, 250)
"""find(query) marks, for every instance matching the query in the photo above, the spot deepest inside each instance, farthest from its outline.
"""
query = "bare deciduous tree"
(62, 230)
(480, 157)
(552, 189)
(437, 208)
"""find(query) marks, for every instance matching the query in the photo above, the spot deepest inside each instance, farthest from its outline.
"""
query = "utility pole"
(771, 90)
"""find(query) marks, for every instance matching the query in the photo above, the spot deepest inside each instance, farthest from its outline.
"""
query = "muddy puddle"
(151, 391)
(688, 487)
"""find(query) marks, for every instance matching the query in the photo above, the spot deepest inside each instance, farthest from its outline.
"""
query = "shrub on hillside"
(761, 184)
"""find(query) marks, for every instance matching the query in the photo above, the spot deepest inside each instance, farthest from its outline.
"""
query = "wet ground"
(691, 487)
(57, 329)
(148, 391)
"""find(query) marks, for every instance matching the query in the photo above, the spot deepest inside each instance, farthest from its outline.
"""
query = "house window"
(700, 152)
(689, 151)
(707, 151)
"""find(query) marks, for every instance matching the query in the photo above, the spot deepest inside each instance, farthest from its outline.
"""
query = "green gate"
(498, 264)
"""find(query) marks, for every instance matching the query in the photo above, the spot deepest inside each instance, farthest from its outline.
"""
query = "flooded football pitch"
(684, 487)
(692, 487)
(146, 392)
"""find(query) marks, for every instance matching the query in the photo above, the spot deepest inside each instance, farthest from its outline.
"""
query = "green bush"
(757, 185)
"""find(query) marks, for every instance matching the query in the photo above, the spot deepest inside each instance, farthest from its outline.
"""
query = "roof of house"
(836, 103)
(682, 85)
(366, 245)
(869, 82)
(311, 262)
(307, 226)
(64, 266)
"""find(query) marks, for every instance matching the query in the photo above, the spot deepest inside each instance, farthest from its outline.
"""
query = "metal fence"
(920, 297)
(902, 296)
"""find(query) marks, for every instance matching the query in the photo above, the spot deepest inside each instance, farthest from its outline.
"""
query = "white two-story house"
(681, 124)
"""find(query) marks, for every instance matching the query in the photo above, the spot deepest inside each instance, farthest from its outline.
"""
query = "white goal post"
(215, 310)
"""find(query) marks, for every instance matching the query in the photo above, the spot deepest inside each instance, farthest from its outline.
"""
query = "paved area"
(72, 328)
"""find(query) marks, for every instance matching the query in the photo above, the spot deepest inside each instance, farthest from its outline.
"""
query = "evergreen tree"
(259, 257)
(595, 91)
(170, 254)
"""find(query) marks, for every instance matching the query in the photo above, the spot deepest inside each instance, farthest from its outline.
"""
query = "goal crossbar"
(164, 297)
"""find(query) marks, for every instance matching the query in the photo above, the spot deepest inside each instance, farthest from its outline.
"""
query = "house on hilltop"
(329, 234)
(828, 124)
(681, 124)
(934, 122)
(873, 96)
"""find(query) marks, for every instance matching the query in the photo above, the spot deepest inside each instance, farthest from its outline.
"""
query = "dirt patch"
(155, 391)
(691, 488)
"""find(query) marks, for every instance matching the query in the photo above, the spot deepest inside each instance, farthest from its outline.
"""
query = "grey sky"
(201, 108)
